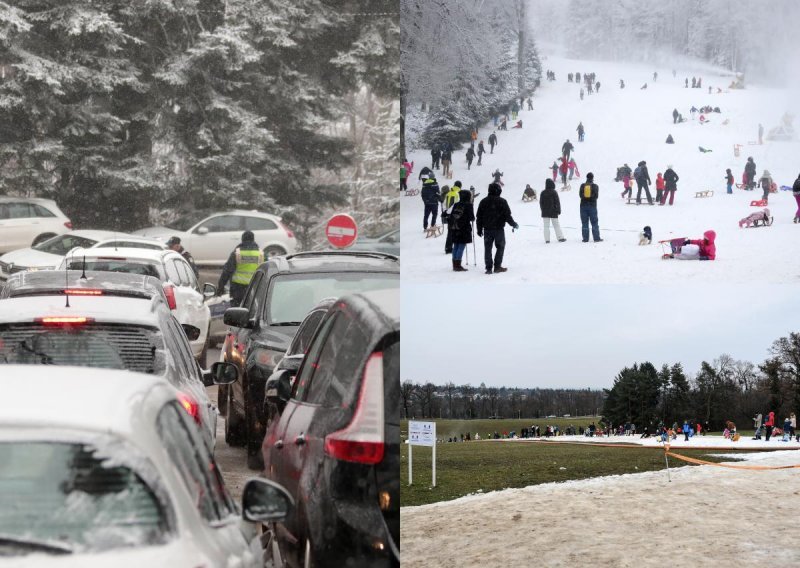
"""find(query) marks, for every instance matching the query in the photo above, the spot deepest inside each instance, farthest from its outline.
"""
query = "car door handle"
(300, 440)
(278, 444)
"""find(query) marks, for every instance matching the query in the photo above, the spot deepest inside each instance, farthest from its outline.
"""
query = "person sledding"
(697, 249)
(759, 218)
(518, 124)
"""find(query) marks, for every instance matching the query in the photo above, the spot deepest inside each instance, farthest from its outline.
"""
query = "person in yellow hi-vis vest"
(240, 268)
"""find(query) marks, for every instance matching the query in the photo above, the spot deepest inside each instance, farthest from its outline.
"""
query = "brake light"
(189, 404)
(169, 292)
(362, 441)
(289, 232)
(68, 224)
(63, 320)
(83, 292)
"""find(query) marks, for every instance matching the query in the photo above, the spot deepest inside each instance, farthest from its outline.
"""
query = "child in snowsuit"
(729, 180)
(573, 168)
(766, 184)
(659, 187)
(704, 249)
(760, 216)
(563, 169)
(554, 167)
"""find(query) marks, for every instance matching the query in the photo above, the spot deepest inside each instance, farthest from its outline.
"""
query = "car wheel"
(273, 250)
(42, 238)
(234, 425)
(203, 358)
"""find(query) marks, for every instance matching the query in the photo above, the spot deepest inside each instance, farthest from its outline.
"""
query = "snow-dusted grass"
(628, 126)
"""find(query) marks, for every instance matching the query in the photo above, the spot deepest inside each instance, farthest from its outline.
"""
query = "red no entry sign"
(341, 231)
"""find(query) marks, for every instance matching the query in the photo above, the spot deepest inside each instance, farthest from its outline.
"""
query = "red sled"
(758, 203)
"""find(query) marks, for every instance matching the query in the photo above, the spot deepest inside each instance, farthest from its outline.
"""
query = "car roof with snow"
(99, 309)
(126, 241)
(335, 261)
(55, 282)
(47, 395)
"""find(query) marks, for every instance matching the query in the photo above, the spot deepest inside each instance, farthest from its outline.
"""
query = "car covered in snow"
(105, 468)
(211, 238)
(180, 283)
(27, 221)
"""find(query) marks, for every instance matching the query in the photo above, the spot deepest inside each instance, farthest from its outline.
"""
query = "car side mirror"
(209, 291)
(221, 373)
(192, 332)
(264, 501)
(237, 317)
(202, 231)
(279, 387)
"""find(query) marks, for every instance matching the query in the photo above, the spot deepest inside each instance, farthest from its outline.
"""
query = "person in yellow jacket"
(240, 268)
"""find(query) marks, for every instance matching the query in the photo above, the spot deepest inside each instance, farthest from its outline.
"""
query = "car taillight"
(189, 404)
(63, 320)
(169, 292)
(362, 441)
(83, 292)
(289, 232)
(68, 224)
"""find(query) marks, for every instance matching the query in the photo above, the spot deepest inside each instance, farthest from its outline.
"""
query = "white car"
(118, 478)
(180, 283)
(211, 239)
(48, 254)
(28, 220)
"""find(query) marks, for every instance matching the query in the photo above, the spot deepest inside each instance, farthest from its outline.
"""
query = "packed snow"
(704, 516)
(626, 126)
(695, 442)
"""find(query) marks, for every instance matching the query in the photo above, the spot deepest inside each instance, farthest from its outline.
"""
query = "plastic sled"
(786, 188)
(632, 201)
(528, 198)
(565, 187)
(707, 193)
(412, 192)
(758, 203)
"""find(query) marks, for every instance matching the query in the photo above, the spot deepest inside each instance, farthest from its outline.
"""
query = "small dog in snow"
(646, 236)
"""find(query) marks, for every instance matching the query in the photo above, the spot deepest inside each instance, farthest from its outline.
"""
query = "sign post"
(421, 434)
(341, 231)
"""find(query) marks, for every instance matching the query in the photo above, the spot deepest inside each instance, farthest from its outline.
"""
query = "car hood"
(32, 258)
(175, 553)
(160, 233)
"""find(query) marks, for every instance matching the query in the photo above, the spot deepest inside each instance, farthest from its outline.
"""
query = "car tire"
(203, 357)
(234, 425)
(41, 238)
(274, 250)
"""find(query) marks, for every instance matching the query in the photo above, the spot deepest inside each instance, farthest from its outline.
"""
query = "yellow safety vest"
(247, 262)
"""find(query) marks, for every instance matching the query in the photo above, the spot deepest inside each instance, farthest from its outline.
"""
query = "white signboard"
(422, 433)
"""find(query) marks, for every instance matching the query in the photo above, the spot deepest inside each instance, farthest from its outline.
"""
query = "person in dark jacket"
(174, 243)
(566, 148)
(447, 160)
(425, 172)
(750, 173)
(670, 185)
(492, 142)
(550, 204)
(675, 115)
(481, 151)
(240, 268)
(436, 155)
(796, 194)
(470, 157)
(642, 177)
(589, 193)
(431, 199)
(493, 214)
(459, 227)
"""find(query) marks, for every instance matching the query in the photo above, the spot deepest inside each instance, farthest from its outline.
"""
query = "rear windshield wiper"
(34, 544)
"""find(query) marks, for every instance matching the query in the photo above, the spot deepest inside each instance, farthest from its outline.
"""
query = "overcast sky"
(582, 336)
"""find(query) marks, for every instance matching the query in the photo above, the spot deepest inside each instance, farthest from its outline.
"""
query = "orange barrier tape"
(731, 466)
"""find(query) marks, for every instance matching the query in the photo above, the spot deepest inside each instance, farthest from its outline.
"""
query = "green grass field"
(462, 469)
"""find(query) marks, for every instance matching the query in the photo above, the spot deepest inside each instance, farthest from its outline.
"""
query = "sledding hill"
(629, 125)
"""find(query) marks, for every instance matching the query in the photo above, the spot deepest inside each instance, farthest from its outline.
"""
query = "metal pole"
(434, 463)
(666, 461)
(410, 447)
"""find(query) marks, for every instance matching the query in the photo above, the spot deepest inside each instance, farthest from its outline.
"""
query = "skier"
(670, 185)
(492, 141)
(430, 198)
(675, 115)
(569, 77)
(493, 214)
(621, 84)
(589, 193)
(550, 205)
(554, 167)
(704, 249)
(566, 148)
(447, 159)
(642, 177)
(459, 227)
(750, 173)
(796, 193)
(573, 168)
(581, 93)
(729, 180)
(577, 77)
(580, 131)
(766, 184)
(481, 151)
(699, 82)
(589, 88)
(436, 156)
(659, 187)
(470, 157)
(450, 199)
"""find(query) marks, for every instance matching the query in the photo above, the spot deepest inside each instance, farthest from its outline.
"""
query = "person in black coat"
(492, 142)
(470, 156)
(481, 151)
(670, 185)
(675, 115)
(436, 155)
(566, 149)
(424, 172)
(493, 214)
(589, 192)
(750, 172)
(550, 204)
(459, 225)
(642, 177)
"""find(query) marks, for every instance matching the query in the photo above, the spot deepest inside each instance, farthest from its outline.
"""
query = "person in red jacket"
(706, 248)
(563, 168)
(659, 187)
(769, 424)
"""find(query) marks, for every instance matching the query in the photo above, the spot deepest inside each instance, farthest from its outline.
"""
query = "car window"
(186, 272)
(178, 347)
(250, 293)
(182, 444)
(336, 373)
(303, 380)
(305, 334)
(259, 224)
(41, 211)
(19, 211)
(126, 266)
(72, 495)
(292, 296)
(62, 244)
(223, 223)
(258, 296)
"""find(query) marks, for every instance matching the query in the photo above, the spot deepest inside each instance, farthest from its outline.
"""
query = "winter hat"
(549, 184)
(766, 173)
(248, 237)
(458, 183)
(590, 176)
(173, 241)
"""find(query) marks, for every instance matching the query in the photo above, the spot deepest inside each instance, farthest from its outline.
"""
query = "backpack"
(637, 173)
(587, 191)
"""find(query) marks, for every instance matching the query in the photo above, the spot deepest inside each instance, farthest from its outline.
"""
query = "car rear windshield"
(62, 244)
(106, 346)
(292, 296)
(127, 266)
(130, 244)
(58, 498)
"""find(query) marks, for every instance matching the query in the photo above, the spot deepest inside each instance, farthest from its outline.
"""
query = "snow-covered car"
(210, 239)
(48, 254)
(113, 321)
(26, 221)
(116, 478)
(388, 243)
(180, 283)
